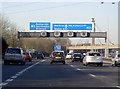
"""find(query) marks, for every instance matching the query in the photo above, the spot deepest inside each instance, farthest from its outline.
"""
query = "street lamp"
(107, 44)
(103, 2)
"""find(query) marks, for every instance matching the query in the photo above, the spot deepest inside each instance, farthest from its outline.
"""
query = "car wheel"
(6, 62)
(72, 61)
(100, 65)
(63, 62)
(51, 62)
(30, 60)
(112, 65)
(22, 63)
(115, 64)
(80, 60)
(86, 64)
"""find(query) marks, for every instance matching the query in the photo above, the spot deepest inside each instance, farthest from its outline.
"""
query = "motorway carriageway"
(40, 74)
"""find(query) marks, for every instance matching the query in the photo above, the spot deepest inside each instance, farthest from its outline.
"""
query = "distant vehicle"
(69, 56)
(116, 60)
(27, 56)
(33, 55)
(32, 52)
(93, 58)
(77, 57)
(40, 55)
(14, 55)
(57, 57)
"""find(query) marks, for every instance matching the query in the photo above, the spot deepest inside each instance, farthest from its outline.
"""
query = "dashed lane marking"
(92, 75)
(74, 67)
(14, 76)
(78, 69)
(118, 86)
(9, 80)
(18, 74)
(71, 65)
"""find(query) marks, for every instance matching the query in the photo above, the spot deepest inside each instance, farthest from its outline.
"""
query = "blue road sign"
(39, 52)
(39, 25)
(71, 26)
(57, 47)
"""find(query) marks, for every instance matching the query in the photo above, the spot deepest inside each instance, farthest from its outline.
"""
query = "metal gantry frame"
(59, 34)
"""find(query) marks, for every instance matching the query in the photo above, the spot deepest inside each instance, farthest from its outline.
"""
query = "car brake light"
(53, 54)
(117, 58)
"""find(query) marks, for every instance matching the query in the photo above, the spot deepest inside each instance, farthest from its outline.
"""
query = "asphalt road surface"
(41, 74)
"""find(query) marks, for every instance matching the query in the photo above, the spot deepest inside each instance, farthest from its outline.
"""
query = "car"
(69, 56)
(14, 55)
(116, 60)
(57, 57)
(40, 55)
(28, 56)
(77, 57)
(93, 58)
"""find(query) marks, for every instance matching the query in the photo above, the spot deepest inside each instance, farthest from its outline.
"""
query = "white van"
(69, 56)
(93, 58)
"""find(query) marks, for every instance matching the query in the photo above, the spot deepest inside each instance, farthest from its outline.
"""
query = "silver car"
(116, 60)
(14, 55)
(93, 58)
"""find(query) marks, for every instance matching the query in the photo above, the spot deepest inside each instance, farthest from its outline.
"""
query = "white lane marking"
(18, 74)
(71, 65)
(92, 75)
(78, 69)
(14, 76)
(42, 60)
(3, 84)
(9, 80)
(118, 86)
(74, 67)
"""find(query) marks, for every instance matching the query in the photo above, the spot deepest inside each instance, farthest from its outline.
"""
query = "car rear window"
(94, 54)
(77, 55)
(58, 53)
(69, 54)
(26, 53)
(13, 51)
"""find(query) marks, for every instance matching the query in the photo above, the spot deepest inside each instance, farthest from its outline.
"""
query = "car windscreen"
(94, 54)
(13, 51)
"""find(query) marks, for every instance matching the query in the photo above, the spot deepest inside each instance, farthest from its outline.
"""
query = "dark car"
(77, 57)
(40, 55)
(57, 57)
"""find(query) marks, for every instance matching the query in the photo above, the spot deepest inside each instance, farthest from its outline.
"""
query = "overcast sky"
(106, 15)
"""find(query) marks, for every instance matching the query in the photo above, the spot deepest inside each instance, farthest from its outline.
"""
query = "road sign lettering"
(57, 26)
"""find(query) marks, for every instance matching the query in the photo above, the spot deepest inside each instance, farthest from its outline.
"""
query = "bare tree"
(8, 30)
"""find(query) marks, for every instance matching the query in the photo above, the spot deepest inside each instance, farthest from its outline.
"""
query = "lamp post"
(106, 40)
(93, 39)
